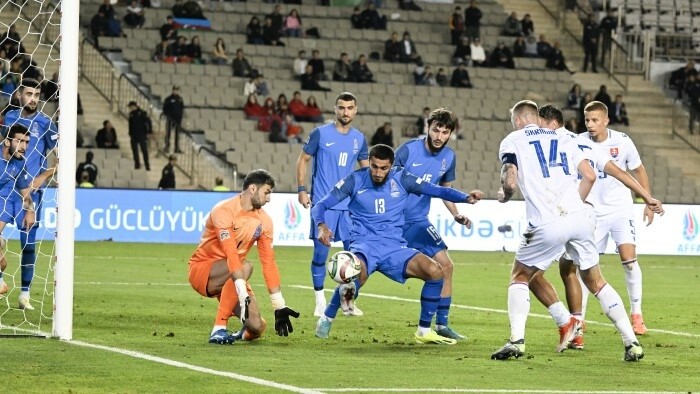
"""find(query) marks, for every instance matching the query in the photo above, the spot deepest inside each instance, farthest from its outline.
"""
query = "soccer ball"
(344, 267)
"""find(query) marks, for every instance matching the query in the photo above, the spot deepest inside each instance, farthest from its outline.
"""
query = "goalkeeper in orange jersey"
(219, 268)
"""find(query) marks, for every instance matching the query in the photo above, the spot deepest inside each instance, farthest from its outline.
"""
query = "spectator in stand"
(270, 34)
(140, 127)
(174, 110)
(544, 48)
(441, 77)
(463, 52)
(680, 76)
(167, 177)
(356, 19)
(460, 77)
(360, 71)
(218, 54)
(277, 134)
(556, 59)
(456, 25)
(573, 99)
(297, 107)
(250, 87)
(422, 122)
(106, 137)
(107, 9)
(98, 28)
(423, 75)
(591, 32)
(252, 109)
(383, 135)
(167, 30)
(409, 5)
(84, 181)
(270, 106)
(531, 47)
(134, 15)
(282, 106)
(527, 27)
(342, 71)
(277, 20)
(618, 112)
(512, 26)
(292, 130)
(519, 47)
(179, 48)
(300, 63)
(240, 65)
(318, 66)
(49, 90)
(501, 56)
(309, 82)
(219, 185)
(478, 54)
(162, 51)
(194, 51)
(292, 24)
(472, 21)
(392, 48)
(254, 32)
(692, 93)
(313, 111)
(87, 167)
(603, 96)
(607, 26)
(408, 50)
(587, 98)
(370, 18)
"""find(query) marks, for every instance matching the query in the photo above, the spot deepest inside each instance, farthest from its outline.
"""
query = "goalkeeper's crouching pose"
(218, 267)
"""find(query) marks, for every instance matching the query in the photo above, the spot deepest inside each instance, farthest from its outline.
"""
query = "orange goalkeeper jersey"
(229, 234)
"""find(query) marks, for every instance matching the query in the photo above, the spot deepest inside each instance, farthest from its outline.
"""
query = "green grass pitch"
(135, 297)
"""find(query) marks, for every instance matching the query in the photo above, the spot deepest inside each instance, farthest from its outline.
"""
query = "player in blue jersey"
(377, 197)
(431, 159)
(13, 180)
(335, 147)
(43, 139)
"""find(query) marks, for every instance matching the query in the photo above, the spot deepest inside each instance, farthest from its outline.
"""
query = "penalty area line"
(178, 364)
(503, 311)
(505, 391)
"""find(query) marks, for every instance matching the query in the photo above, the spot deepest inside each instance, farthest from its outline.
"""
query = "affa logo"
(690, 226)
(292, 215)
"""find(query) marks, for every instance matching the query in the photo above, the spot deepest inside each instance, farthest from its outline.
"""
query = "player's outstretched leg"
(633, 279)
(27, 242)
(323, 325)
(348, 294)
(443, 311)
(318, 275)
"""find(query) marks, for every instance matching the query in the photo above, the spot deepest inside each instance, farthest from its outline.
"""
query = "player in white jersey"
(614, 206)
(544, 163)
(552, 117)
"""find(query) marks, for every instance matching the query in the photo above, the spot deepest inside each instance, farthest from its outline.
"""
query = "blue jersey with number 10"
(435, 168)
(335, 155)
(43, 138)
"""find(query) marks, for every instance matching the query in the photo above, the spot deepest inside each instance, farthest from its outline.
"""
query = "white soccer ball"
(344, 267)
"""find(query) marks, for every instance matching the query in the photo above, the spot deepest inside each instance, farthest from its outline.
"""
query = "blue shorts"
(17, 211)
(388, 257)
(338, 222)
(423, 236)
(7, 214)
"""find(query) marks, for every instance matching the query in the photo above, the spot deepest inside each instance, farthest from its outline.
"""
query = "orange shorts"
(198, 273)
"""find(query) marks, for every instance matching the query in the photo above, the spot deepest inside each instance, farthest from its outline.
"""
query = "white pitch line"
(178, 364)
(481, 309)
(394, 298)
(436, 390)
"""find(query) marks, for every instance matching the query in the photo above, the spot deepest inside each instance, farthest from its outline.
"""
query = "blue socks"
(443, 311)
(318, 264)
(27, 242)
(429, 299)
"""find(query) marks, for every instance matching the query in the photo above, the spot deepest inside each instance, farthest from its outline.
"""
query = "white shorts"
(572, 233)
(619, 225)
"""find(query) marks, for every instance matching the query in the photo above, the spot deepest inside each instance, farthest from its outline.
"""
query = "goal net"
(30, 60)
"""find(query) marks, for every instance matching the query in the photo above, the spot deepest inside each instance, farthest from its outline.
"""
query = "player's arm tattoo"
(508, 179)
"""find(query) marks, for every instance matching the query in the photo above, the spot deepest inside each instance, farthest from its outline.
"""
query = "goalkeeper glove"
(283, 325)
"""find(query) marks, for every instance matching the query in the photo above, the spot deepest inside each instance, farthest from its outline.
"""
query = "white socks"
(614, 309)
(559, 313)
(320, 297)
(518, 309)
(217, 328)
(633, 277)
